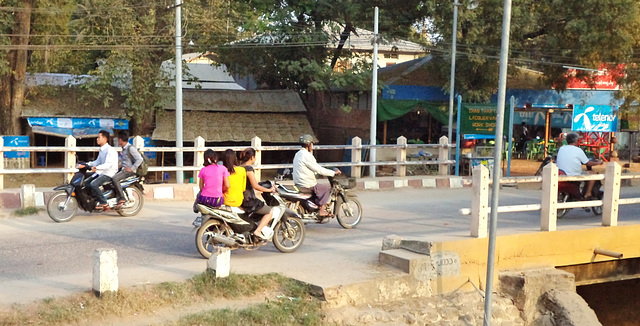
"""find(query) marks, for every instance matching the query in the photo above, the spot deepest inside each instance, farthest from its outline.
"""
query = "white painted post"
(356, 156)
(105, 271)
(138, 143)
(28, 195)
(70, 157)
(549, 210)
(1, 162)
(401, 156)
(220, 262)
(443, 155)
(480, 202)
(198, 156)
(611, 194)
(256, 143)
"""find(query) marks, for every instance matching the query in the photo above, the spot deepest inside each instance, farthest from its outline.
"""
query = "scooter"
(576, 191)
(64, 204)
(232, 227)
(344, 204)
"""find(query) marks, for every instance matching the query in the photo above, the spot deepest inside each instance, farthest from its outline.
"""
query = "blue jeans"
(95, 184)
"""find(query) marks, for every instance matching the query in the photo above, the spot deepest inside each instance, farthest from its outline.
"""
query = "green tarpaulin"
(392, 109)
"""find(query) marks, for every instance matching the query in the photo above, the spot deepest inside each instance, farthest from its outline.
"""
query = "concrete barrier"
(105, 271)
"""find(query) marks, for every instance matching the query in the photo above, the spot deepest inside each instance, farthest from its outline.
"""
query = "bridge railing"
(549, 204)
(70, 149)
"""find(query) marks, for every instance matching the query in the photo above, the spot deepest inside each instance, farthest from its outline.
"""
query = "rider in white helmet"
(305, 168)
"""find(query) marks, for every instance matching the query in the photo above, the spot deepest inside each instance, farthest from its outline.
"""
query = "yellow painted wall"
(540, 249)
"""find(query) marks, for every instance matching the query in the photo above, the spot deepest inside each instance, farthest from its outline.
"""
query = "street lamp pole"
(453, 67)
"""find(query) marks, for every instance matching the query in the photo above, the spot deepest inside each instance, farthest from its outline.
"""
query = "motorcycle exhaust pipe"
(225, 240)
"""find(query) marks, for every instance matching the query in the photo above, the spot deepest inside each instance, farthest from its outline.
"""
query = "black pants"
(122, 174)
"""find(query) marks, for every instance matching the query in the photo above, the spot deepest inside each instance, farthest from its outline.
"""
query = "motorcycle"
(233, 228)
(576, 191)
(344, 204)
(64, 204)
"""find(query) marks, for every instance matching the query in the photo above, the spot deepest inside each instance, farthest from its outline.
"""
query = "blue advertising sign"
(594, 118)
(537, 118)
(16, 141)
(77, 123)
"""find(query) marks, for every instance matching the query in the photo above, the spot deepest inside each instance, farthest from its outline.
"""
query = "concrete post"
(1, 162)
(611, 194)
(198, 156)
(401, 156)
(28, 195)
(356, 157)
(480, 202)
(138, 143)
(220, 262)
(70, 157)
(105, 271)
(443, 155)
(256, 143)
(549, 210)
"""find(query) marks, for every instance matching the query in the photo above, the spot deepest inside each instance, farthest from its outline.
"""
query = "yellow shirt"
(237, 184)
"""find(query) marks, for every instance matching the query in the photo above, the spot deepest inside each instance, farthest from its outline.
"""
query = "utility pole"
(374, 96)
(179, 144)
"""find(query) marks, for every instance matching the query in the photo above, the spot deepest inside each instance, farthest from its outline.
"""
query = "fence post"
(1, 162)
(356, 156)
(611, 194)
(443, 155)
(256, 143)
(480, 202)
(549, 211)
(401, 156)
(70, 157)
(198, 156)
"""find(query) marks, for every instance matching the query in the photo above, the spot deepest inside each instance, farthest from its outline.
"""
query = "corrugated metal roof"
(233, 127)
(66, 102)
(240, 101)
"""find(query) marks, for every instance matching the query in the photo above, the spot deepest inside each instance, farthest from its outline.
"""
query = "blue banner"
(16, 141)
(147, 143)
(594, 118)
(536, 118)
(79, 123)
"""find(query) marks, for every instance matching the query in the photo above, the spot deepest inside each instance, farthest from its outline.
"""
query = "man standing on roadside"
(106, 166)
(131, 160)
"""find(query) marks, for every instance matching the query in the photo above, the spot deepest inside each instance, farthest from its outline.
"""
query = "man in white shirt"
(571, 158)
(305, 168)
(106, 166)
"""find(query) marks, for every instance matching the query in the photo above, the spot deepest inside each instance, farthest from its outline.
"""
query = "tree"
(545, 36)
(284, 44)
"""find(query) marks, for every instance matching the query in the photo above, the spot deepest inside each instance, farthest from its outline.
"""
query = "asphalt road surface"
(40, 258)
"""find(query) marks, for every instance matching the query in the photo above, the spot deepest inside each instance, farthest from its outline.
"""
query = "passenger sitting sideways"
(233, 196)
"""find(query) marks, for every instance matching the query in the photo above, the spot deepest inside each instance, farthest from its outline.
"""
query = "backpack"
(142, 170)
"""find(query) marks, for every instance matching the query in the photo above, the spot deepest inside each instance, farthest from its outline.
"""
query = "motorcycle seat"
(293, 190)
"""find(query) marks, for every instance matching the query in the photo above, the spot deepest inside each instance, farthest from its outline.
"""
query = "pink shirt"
(213, 175)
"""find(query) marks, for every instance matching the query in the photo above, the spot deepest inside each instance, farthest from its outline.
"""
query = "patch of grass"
(293, 305)
(27, 211)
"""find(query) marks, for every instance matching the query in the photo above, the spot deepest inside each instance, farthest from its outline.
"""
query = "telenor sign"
(594, 118)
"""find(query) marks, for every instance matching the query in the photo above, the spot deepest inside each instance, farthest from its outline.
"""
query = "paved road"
(40, 258)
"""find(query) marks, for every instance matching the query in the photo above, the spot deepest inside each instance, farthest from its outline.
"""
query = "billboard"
(16, 141)
(594, 118)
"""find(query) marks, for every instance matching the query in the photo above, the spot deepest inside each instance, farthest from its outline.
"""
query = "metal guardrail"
(401, 162)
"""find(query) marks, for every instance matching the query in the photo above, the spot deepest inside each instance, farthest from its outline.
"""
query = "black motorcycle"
(344, 204)
(64, 204)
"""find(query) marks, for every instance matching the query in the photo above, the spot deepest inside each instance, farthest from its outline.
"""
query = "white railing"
(549, 205)
(70, 149)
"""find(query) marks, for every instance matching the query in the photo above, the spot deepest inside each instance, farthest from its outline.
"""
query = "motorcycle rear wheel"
(289, 234)
(134, 203)
(597, 210)
(204, 239)
(57, 212)
(349, 214)
(563, 197)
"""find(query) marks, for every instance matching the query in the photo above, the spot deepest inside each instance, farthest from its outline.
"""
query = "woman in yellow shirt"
(237, 179)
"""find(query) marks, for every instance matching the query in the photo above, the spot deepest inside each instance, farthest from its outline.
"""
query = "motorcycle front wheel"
(349, 213)
(58, 211)
(563, 197)
(134, 202)
(204, 237)
(289, 234)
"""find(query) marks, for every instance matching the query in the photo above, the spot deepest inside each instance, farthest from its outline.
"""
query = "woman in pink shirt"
(214, 181)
